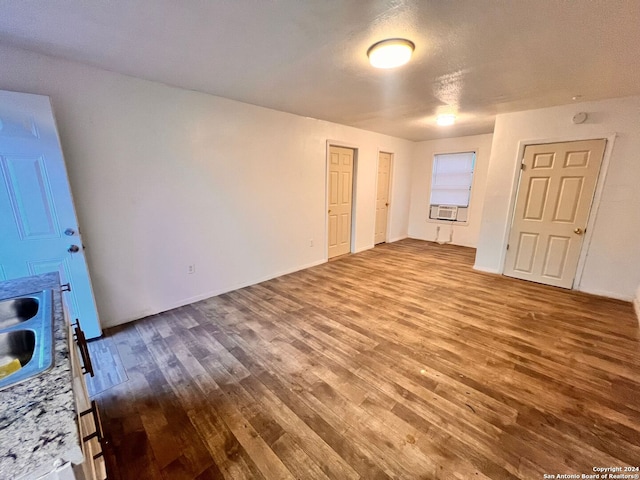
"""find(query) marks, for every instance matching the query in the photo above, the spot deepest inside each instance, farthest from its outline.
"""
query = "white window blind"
(452, 177)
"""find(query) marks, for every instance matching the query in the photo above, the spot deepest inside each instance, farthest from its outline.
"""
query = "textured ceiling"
(474, 57)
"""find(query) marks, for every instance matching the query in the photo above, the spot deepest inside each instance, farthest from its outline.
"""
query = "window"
(451, 186)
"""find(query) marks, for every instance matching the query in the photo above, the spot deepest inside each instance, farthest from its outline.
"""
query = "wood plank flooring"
(398, 362)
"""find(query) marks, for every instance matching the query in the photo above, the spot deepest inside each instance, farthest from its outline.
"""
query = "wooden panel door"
(39, 230)
(340, 200)
(382, 197)
(556, 189)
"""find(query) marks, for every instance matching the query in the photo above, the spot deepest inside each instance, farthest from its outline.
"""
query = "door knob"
(578, 231)
(386, 204)
(329, 211)
(73, 249)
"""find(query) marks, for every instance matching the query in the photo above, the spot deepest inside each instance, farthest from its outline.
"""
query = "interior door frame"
(595, 202)
(389, 193)
(354, 183)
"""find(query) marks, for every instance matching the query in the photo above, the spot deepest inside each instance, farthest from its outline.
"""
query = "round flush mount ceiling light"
(390, 53)
(446, 119)
(579, 118)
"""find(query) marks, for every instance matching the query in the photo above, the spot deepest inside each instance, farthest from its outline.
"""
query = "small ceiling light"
(446, 120)
(580, 117)
(390, 53)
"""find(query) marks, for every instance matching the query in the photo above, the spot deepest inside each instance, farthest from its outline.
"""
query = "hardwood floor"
(398, 362)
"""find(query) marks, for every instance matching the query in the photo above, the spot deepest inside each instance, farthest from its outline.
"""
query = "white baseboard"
(362, 249)
(604, 293)
(215, 293)
(600, 293)
(487, 270)
(255, 281)
(397, 239)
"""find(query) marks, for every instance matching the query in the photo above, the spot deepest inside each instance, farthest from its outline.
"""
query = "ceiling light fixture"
(579, 118)
(390, 53)
(446, 120)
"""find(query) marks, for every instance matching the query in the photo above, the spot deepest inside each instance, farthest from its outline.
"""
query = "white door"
(340, 193)
(556, 189)
(382, 197)
(39, 230)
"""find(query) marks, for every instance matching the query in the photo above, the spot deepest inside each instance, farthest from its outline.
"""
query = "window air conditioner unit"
(447, 212)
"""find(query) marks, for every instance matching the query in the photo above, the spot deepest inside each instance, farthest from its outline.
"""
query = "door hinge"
(507, 246)
(523, 166)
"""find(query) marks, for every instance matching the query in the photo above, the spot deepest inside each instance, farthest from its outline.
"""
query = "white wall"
(164, 177)
(612, 266)
(419, 224)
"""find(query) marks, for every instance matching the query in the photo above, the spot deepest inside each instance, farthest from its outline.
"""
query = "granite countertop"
(38, 429)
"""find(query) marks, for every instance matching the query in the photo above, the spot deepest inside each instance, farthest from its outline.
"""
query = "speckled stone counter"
(38, 429)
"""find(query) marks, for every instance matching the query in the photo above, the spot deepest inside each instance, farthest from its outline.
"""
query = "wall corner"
(636, 304)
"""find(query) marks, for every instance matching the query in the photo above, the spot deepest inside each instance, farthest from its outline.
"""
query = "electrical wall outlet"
(191, 269)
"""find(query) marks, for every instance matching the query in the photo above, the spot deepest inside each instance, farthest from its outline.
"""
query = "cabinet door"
(93, 467)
